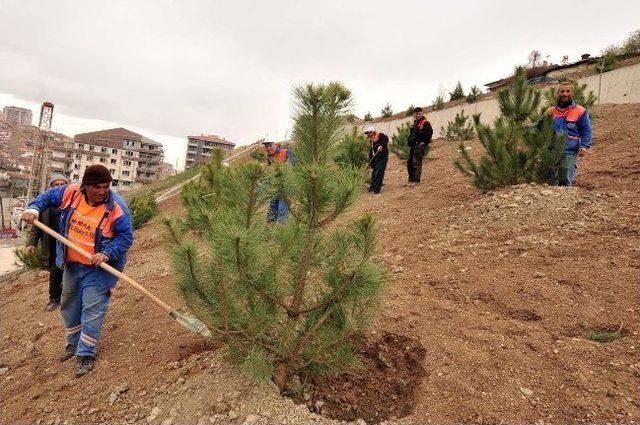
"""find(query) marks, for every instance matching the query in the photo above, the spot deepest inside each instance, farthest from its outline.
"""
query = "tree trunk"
(280, 375)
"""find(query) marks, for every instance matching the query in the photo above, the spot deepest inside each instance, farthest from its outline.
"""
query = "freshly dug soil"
(381, 386)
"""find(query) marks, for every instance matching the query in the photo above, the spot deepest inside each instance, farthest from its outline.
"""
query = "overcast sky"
(172, 68)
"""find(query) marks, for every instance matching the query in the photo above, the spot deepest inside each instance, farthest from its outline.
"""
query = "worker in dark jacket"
(378, 157)
(419, 139)
(50, 217)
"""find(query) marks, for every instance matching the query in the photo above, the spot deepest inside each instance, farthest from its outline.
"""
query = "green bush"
(143, 209)
(368, 117)
(459, 129)
(33, 261)
(438, 103)
(353, 149)
(409, 111)
(457, 93)
(283, 299)
(474, 94)
(386, 112)
(515, 151)
(398, 145)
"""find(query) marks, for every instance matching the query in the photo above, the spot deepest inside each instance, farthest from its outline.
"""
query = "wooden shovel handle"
(105, 266)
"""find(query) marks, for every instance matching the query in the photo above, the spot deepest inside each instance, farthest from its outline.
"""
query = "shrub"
(353, 149)
(514, 151)
(409, 111)
(368, 117)
(438, 103)
(143, 208)
(386, 112)
(457, 93)
(283, 299)
(398, 144)
(33, 261)
(459, 129)
(474, 94)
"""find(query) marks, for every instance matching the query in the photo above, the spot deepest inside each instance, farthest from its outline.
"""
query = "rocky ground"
(501, 289)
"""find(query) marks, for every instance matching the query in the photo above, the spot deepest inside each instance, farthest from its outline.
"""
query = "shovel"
(186, 320)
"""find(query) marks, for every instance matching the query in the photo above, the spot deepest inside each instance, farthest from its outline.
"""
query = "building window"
(130, 143)
(126, 163)
(129, 153)
(126, 183)
(80, 146)
(112, 171)
(78, 156)
(103, 150)
(76, 166)
(90, 147)
(125, 173)
(76, 177)
(114, 151)
(89, 157)
(114, 161)
(103, 159)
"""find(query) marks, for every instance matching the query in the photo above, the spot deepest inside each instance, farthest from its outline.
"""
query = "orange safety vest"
(280, 156)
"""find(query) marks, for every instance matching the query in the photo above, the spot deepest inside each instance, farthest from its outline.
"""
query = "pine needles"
(282, 298)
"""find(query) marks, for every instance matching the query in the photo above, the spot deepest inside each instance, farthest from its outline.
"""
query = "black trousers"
(377, 175)
(414, 162)
(55, 281)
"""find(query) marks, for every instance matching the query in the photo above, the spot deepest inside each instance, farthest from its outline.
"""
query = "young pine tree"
(514, 150)
(398, 144)
(474, 94)
(386, 112)
(353, 149)
(457, 93)
(438, 103)
(459, 129)
(368, 117)
(283, 299)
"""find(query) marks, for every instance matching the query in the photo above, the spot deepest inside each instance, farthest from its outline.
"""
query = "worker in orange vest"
(278, 207)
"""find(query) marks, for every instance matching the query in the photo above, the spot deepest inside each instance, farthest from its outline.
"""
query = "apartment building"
(17, 115)
(132, 158)
(199, 148)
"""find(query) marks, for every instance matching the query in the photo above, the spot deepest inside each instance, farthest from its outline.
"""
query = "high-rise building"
(199, 148)
(17, 115)
(132, 158)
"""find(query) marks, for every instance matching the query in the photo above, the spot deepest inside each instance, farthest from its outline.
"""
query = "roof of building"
(212, 138)
(114, 135)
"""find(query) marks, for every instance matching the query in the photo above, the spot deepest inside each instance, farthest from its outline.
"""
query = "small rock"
(3, 370)
(204, 420)
(167, 421)
(526, 391)
(154, 414)
(538, 275)
(360, 421)
(181, 380)
(251, 420)
(120, 389)
(219, 407)
(397, 269)
(232, 414)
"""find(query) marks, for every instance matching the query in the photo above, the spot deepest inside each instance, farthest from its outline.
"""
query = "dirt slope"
(500, 288)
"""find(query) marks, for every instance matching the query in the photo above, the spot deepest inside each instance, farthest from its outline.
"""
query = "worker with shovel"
(98, 220)
(378, 157)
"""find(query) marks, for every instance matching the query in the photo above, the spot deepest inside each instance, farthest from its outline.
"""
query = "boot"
(84, 365)
(53, 304)
(69, 352)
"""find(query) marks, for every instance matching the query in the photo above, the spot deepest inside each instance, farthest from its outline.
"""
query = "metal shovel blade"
(191, 323)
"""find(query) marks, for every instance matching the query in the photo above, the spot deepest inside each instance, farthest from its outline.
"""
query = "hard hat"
(370, 129)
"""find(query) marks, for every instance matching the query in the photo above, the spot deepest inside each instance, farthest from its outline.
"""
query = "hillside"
(500, 289)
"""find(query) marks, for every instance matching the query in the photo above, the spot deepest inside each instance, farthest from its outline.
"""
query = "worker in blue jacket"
(98, 220)
(572, 121)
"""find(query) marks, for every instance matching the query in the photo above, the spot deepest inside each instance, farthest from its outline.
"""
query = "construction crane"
(41, 152)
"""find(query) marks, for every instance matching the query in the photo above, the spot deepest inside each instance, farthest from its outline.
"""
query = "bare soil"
(501, 289)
